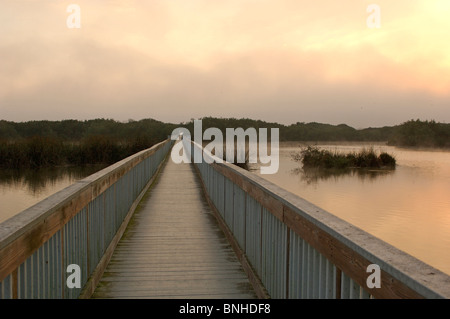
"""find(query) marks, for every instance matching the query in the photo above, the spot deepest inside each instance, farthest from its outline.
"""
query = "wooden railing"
(79, 225)
(291, 248)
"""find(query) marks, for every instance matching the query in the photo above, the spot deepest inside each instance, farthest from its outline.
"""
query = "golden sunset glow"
(175, 60)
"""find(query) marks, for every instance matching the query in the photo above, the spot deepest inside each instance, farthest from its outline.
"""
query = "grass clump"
(40, 152)
(312, 156)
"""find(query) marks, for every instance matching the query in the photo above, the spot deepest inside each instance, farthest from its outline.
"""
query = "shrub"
(312, 156)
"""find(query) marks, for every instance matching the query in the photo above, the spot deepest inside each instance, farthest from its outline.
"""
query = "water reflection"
(20, 189)
(36, 181)
(408, 207)
(313, 175)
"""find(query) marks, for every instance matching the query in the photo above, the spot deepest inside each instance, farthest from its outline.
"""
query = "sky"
(282, 61)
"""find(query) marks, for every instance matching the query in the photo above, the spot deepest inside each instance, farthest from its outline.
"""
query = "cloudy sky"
(274, 60)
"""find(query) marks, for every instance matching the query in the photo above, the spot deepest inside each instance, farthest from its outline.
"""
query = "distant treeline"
(413, 133)
(73, 142)
(38, 144)
(421, 134)
(74, 130)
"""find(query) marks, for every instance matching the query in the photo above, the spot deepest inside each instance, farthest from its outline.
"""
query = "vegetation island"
(313, 157)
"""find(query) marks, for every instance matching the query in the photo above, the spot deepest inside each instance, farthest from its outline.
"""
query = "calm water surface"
(408, 207)
(20, 189)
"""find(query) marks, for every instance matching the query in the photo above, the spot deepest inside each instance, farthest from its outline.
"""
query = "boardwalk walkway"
(173, 247)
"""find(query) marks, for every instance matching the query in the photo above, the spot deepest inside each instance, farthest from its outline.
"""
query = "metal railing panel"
(253, 240)
(239, 218)
(229, 203)
(73, 226)
(274, 248)
(6, 288)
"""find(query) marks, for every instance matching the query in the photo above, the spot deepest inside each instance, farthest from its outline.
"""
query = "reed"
(312, 156)
(38, 152)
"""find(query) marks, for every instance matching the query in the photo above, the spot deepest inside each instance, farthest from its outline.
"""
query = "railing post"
(62, 263)
(288, 256)
(338, 283)
(14, 283)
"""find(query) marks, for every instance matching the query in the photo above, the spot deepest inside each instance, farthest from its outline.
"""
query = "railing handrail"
(403, 276)
(22, 234)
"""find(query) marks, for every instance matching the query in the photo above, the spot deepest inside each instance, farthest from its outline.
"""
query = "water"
(408, 207)
(20, 189)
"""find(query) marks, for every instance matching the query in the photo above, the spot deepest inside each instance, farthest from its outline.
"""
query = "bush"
(387, 160)
(314, 157)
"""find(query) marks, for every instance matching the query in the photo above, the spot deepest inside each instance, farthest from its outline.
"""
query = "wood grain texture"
(173, 247)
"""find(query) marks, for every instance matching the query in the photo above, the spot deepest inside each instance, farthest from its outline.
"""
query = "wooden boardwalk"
(173, 247)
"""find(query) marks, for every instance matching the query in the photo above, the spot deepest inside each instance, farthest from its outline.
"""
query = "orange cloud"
(241, 56)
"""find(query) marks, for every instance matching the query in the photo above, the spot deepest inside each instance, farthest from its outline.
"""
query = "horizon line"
(220, 118)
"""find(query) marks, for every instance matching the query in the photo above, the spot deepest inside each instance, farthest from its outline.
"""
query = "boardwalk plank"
(173, 247)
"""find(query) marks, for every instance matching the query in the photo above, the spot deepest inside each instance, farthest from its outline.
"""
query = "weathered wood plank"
(173, 247)
(167, 275)
(175, 295)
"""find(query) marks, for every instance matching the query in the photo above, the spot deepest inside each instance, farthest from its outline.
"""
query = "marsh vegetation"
(314, 157)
